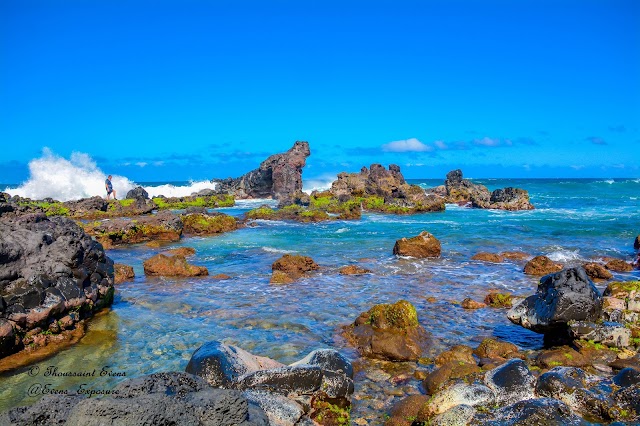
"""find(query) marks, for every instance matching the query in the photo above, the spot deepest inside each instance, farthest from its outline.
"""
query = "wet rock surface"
(463, 191)
(319, 383)
(158, 399)
(389, 332)
(420, 246)
(565, 296)
(172, 266)
(289, 268)
(48, 267)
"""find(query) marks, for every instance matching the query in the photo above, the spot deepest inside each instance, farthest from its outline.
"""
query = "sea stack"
(279, 176)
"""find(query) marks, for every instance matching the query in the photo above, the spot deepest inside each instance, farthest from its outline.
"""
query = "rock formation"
(289, 268)
(462, 191)
(384, 190)
(278, 176)
(48, 267)
(421, 246)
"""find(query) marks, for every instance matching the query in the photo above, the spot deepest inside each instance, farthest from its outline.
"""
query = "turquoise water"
(156, 323)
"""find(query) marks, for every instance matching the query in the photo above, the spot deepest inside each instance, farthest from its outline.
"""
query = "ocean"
(157, 323)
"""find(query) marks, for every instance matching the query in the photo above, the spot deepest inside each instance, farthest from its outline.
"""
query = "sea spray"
(52, 176)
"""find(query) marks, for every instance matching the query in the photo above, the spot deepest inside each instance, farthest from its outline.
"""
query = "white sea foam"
(564, 255)
(341, 230)
(321, 183)
(275, 250)
(61, 179)
(169, 190)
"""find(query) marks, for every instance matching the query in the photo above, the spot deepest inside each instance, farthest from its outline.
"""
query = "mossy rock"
(208, 201)
(201, 224)
(329, 413)
(622, 289)
(399, 315)
(499, 300)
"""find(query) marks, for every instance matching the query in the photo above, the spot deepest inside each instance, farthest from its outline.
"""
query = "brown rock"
(390, 332)
(541, 265)
(438, 378)
(493, 348)
(164, 226)
(172, 266)
(182, 251)
(7, 337)
(633, 362)
(407, 409)
(488, 257)
(596, 271)
(458, 353)
(563, 356)
(618, 265)
(469, 303)
(293, 266)
(122, 273)
(515, 255)
(221, 277)
(420, 246)
(353, 270)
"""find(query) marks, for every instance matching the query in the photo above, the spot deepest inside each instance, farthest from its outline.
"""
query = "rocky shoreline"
(56, 275)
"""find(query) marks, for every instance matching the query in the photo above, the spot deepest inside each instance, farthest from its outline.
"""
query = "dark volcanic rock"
(463, 191)
(511, 382)
(157, 399)
(561, 297)
(636, 243)
(47, 267)
(278, 176)
(138, 193)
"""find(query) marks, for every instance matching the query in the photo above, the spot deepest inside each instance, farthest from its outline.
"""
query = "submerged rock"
(488, 257)
(469, 303)
(279, 176)
(421, 246)
(568, 295)
(460, 394)
(389, 332)
(289, 268)
(354, 270)
(534, 412)
(511, 382)
(172, 266)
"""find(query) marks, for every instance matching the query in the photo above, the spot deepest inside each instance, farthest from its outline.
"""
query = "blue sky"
(178, 90)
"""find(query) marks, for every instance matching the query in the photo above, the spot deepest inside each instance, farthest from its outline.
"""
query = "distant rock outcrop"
(463, 191)
(384, 190)
(278, 176)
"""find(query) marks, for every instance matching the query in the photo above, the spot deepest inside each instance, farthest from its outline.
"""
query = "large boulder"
(279, 176)
(420, 246)
(137, 193)
(158, 399)
(389, 332)
(48, 266)
(568, 295)
(315, 386)
(208, 224)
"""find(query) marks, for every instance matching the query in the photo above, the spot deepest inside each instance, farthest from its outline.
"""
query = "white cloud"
(158, 163)
(577, 167)
(440, 145)
(408, 145)
(141, 164)
(487, 142)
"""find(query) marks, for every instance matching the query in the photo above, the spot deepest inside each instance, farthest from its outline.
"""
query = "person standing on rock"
(109, 188)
